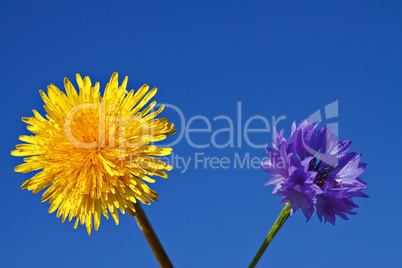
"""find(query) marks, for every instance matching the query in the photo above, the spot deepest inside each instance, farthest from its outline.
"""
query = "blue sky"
(277, 58)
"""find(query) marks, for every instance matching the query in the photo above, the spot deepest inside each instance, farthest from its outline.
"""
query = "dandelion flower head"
(94, 153)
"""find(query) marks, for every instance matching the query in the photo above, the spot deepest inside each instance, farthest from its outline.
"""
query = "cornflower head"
(314, 172)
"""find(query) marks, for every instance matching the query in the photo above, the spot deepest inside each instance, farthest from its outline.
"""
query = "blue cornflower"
(314, 172)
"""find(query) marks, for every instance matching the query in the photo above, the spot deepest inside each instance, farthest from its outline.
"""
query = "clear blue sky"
(282, 58)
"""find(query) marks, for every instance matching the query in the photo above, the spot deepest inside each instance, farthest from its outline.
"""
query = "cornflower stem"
(283, 216)
(151, 237)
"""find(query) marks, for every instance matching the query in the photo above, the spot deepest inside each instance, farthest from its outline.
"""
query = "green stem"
(283, 216)
(152, 238)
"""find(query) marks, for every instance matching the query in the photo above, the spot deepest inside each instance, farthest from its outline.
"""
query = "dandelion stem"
(283, 216)
(152, 238)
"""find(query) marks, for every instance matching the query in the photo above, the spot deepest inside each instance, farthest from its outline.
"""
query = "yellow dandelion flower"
(94, 152)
